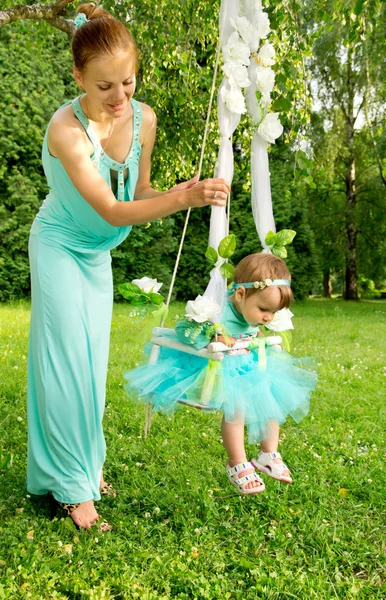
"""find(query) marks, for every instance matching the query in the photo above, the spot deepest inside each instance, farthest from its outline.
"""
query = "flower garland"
(247, 66)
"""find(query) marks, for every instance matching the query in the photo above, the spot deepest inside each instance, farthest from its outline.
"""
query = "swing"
(246, 65)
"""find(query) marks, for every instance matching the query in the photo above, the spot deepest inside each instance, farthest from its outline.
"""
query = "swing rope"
(148, 406)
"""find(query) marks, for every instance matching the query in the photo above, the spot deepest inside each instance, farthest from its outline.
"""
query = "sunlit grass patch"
(180, 530)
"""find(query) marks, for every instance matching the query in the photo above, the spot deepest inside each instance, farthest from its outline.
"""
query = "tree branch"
(52, 13)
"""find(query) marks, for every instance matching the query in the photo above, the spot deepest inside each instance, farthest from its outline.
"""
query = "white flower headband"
(259, 285)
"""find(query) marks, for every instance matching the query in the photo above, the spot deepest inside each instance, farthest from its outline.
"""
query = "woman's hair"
(256, 267)
(101, 34)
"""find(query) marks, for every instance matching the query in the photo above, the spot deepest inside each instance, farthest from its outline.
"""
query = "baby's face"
(260, 308)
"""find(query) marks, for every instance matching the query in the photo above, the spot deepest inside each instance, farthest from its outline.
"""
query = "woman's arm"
(68, 142)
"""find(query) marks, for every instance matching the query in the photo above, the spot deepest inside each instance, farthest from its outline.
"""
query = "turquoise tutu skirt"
(239, 386)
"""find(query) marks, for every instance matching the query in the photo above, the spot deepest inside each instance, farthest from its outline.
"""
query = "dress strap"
(80, 115)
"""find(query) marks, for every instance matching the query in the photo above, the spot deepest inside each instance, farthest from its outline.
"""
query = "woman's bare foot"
(85, 515)
(105, 488)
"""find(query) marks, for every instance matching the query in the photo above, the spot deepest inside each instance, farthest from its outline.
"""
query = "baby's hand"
(227, 340)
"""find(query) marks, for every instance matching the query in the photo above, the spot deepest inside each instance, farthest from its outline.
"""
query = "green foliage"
(34, 81)
(175, 76)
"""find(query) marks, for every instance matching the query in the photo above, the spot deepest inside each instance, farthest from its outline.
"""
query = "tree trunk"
(351, 288)
(327, 285)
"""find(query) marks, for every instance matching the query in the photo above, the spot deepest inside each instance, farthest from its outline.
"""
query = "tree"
(346, 69)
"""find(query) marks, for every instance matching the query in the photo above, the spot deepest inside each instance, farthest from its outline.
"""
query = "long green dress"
(72, 296)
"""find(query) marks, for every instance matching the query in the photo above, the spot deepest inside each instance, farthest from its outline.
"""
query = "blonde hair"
(101, 34)
(256, 267)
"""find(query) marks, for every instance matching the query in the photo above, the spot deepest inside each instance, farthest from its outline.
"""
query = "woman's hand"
(185, 185)
(207, 192)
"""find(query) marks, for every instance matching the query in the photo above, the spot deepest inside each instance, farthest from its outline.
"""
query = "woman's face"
(109, 82)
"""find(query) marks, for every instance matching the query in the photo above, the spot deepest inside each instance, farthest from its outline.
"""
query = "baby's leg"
(270, 445)
(233, 438)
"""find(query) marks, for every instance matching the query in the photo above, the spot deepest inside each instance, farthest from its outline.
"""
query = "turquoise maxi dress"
(72, 297)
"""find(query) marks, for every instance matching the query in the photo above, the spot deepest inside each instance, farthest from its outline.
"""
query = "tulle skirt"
(239, 386)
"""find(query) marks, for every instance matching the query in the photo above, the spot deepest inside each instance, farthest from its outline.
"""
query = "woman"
(96, 156)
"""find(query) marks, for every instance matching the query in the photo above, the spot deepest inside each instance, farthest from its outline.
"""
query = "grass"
(180, 530)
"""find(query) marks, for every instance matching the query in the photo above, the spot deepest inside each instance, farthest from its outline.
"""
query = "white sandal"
(235, 476)
(266, 464)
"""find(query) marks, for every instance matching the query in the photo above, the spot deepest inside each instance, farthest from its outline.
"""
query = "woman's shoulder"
(64, 128)
(149, 118)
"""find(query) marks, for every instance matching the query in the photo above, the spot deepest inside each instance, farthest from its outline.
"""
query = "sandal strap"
(241, 481)
(240, 467)
(269, 455)
(68, 508)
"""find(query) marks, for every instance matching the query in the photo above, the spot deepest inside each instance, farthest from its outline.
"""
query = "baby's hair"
(256, 267)
(101, 34)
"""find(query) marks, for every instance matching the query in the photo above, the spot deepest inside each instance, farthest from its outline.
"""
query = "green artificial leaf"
(280, 251)
(211, 255)
(270, 238)
(129, 288)
(139, 301)
(156, 298)
(284, 237)
(158, 312)
(227, 270)
(227, 246)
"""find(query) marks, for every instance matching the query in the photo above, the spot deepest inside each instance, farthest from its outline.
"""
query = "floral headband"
(80, 19)
(259, 285)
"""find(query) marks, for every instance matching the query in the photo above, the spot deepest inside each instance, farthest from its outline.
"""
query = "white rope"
(199, 175)
(148, 410)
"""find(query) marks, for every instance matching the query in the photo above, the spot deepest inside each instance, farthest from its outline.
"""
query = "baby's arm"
(225, 339)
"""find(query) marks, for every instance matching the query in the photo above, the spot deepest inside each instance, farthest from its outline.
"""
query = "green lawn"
(180, 530)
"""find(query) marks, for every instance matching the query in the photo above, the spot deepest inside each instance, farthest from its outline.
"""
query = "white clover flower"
(237, 74)
(236, 51)
(244, 28)
(146, 284)
(201, 309)
(267, 55)
(233, 100)
(282, 320)
(265, 80)
(262, 27)
(270, 128)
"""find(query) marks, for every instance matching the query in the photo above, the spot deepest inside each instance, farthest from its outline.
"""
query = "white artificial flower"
(146, 284)
(201, 309)
(270, 128)
(265, 80)
(244, 28)
(236, 51)
(282, 320)
(237, 74)
(267, 54)
(262, 25)
(233, 100)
